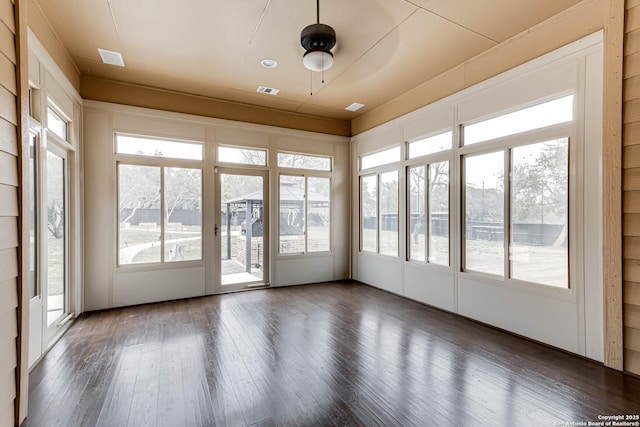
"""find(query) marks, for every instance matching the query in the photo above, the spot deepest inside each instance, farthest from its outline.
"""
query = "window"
(382, 158)
(56, 124)
(389, 213)
(439, 213)
(379, 219)
(141, 146)
(430, 145)
(244, 156)
(303, 161)
(369, 213)
(539, 249)
(139, 214)
(183, 214)
(484, 213)
(538, 213)
(542, 115)
(428, 202)
(292, 214)
(305, 215)
(57, 254)
(149, 234)
(319, 214)
(417, 210)
(160, 205)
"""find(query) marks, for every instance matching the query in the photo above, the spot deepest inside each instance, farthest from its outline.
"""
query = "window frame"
(378, 171)
(360, 216)
(239, 164)
(156, 138)
(51, 106)
(311, 171)
(426, 162)
(306, 174)
(516, 108)
(161, 163)
(505, 145)
(429, 136)
(386, 165)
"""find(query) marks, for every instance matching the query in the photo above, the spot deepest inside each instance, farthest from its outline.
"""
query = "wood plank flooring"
(315, 355)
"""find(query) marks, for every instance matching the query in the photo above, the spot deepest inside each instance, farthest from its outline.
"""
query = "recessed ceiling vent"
(268, 90)
(110, 57)
(354, 107)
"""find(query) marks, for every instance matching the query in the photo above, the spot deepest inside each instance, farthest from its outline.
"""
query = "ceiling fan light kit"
(317, 60)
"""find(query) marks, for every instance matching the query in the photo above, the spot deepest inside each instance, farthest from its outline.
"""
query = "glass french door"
(55, 267)
(49, 244)
(241, 229)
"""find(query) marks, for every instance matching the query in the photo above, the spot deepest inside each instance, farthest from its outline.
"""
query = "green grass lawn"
(538, 264)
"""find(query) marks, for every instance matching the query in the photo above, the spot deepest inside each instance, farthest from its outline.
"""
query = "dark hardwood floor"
(329, 354)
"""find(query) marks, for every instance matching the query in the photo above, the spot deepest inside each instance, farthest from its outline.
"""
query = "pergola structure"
(292, 201)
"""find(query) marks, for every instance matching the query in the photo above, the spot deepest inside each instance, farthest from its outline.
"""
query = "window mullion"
(306, 214)
(427, 207)
(378, 222)
(163, 210)
(507, 214)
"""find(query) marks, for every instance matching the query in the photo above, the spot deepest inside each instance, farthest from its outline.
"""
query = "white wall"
(551, 315)
(107, 285)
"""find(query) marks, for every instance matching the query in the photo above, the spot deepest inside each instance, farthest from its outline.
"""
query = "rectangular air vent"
(110, 57)
(354, 107)
(268, 90)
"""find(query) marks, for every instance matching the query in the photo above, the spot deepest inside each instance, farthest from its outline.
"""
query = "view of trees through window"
(538, 213)
(484, 213)
(429, 222)
(159, 206)
(379, 213)
(539, 250)
(369, 213)
(142, 216)
(389, 213)
(56, 236)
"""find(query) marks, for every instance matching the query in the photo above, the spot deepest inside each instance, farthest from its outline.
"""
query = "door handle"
(215, 230)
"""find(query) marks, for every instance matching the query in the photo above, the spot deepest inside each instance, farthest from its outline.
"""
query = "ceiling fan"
(318, 40)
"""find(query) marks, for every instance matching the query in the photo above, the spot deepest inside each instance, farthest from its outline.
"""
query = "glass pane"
(302, 161)
(382, 158)
(389, 213)
(182, 214)
(139, 214)
(439, 213)
(158, 148)
(242, 156)
(33, 242)
(536, 117)
(539, 208)
(484, 213)
(430, 145)
(319, 214)
(369, 213)
(242, 248)
(417, 229)
(292, 214)
(56, 236)
(57, 124)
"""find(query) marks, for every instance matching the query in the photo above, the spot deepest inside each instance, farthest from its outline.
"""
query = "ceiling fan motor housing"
(318, 37)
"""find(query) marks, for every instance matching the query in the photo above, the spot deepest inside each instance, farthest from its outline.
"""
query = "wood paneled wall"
(631, 187)
(9, 213)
